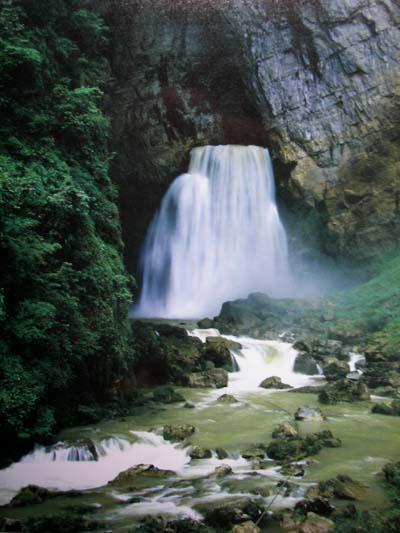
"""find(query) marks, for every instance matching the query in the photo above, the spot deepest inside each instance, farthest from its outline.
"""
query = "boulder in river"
(227, 398)
(221, 453)
(198, 452)
(309, 414)
(205, 323)
(255, 452)
(128, 476)
(297, 447)
(284, 431)
(223, 471)
(305, 364)
(344, 390)
(334, 369)
(391, 408)
(178, 432)
(33, 494)
(320, 506)
(342, 487)
(215, 378)
(223, 515)
(274, 382)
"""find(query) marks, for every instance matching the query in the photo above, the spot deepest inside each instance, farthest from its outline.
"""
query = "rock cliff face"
(314, 80)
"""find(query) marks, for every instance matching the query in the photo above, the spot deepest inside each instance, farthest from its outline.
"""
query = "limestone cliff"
(314, 80)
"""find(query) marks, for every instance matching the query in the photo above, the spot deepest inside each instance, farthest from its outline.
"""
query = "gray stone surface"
(313, 80)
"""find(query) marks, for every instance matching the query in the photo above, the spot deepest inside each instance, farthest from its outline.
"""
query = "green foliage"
(374, 306)
(64, 295)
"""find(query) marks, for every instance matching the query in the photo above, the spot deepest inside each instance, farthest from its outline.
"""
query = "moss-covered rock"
(334, 369)
(127, 477)
(198, 452)
(295, 447)
(215, 378)
(178, 432)
(344, 390)
(342, 487)
(274, 382)
(392, 408)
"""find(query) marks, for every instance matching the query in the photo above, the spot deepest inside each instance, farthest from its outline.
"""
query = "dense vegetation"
(64, 298)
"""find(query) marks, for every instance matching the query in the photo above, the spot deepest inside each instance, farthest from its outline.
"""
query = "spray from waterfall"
(217, 236)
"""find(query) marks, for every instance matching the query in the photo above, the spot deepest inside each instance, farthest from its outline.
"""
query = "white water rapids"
(217, 236)
(65, 467)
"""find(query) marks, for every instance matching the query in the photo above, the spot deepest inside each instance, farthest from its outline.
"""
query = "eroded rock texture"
(314, 80)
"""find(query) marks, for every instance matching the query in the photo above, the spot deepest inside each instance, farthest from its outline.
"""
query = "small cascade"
(217, 236)
(259, 359)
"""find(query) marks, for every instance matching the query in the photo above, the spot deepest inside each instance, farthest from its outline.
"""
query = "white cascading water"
(217, 236)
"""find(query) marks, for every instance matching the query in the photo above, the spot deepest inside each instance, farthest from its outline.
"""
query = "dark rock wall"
(314, 80)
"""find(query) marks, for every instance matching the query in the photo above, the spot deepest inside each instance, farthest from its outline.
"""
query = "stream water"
(369, 441)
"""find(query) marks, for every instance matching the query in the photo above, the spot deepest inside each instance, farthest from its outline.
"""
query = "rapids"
(369, 441)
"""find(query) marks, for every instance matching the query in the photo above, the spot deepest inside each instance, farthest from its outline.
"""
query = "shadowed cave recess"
(188, 74)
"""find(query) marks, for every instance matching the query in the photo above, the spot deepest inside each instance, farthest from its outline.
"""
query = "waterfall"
(217, 236)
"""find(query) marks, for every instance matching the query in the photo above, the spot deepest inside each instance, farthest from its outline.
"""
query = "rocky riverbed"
(223, 456)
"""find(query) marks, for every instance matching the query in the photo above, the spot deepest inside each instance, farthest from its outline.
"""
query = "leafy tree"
(64, 295)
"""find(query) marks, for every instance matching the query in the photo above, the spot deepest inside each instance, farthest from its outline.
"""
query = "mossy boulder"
(344, 390)
(198, 452)
(334, 369)
(227, 398)
(297, 447)
(309, 414)
(274, 382)
(222, 471)
(392, 408)
(33, 494)
(215, 378)
(342, 487)
(305, 364)
(178, 432)
(258, 451)
(284, 431)
(128, 476)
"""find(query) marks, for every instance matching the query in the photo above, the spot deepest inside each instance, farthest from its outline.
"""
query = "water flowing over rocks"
(314, 81)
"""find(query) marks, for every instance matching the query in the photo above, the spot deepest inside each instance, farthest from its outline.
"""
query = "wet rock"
(246, 527)
(334, 369)
(303, 345)
(392, 408)
(214, 379)
(128, 476)
(309, 414)
(319, 506)
(256, 452)
(205, 323)
(293, 469)
(295, 448)
(342, 487)
(178, 432)
(274, 382)
(305, 364)
(33, 494)
(344, 390)
(391, 472)
(227, 398)
(284, 430)
(221, 453)
(227, 515)
(167, 394)
(223, 471)
(198, 452)
(189, 405)
(316, 524)
(217, 351)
